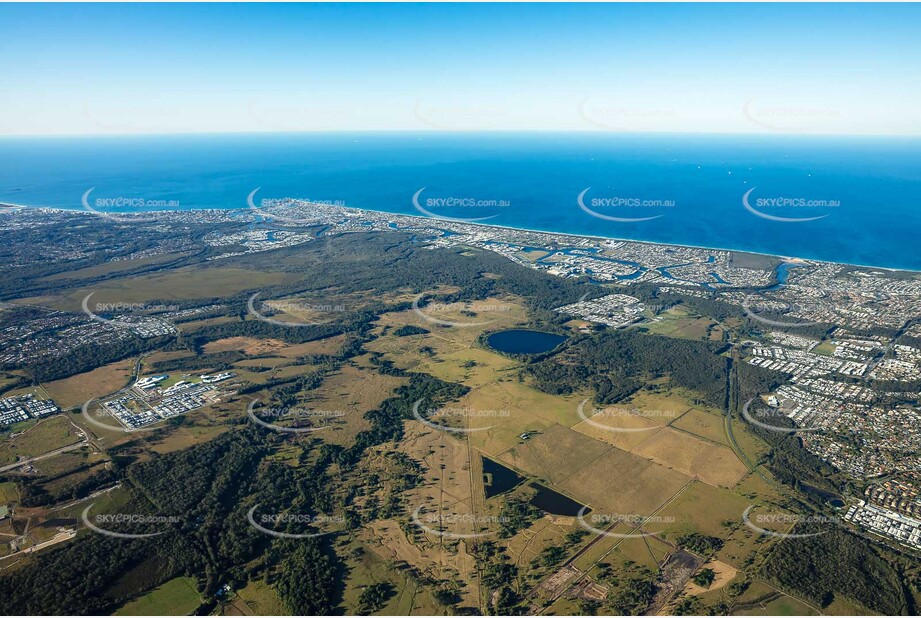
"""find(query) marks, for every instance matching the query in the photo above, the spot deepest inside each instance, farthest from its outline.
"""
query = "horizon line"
(462, 132)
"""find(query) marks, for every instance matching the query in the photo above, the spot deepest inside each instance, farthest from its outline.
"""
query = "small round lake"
(523, 341)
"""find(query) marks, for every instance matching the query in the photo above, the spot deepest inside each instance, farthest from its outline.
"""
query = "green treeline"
(616, 363)
(835, 563)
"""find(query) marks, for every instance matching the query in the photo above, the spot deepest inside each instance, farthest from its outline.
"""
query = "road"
(63, 449)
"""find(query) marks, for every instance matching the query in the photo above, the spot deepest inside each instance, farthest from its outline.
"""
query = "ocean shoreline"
(782, 258)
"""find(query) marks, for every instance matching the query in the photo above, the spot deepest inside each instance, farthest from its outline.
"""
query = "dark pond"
(523, 341)
(832, 498)
(498, 479)
(555, 503)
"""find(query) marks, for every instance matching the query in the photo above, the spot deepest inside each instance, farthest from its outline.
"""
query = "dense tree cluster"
(814, 567)
(616, 363)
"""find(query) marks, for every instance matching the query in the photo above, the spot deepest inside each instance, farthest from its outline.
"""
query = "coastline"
(783, 258)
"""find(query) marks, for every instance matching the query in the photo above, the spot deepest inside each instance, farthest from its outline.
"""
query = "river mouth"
(524, 341)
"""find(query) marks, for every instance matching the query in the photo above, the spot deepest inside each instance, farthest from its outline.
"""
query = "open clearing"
(452, 347)
(256, 599)
(247, 345)
(449, 498)
(713, 464)
(703, 508)
(45, 436)
(528, 543)
(8, 492)
(110, 268)
(723, 575)
(555, 454)
(77, 390)
(509, 409)
(181, 283)
(410, 598)
(703, 424)
(349, 394)
(681, 323)
(177, 597)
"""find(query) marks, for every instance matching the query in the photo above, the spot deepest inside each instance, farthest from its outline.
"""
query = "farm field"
(556, 454)
(704, 509)
(646, 551)
(706, 425)
(714, 464)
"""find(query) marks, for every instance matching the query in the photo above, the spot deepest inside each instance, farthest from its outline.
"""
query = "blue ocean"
(843, 199)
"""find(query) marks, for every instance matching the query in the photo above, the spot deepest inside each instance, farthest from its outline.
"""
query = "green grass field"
(8, 492)
(177, 597)
(46, 435)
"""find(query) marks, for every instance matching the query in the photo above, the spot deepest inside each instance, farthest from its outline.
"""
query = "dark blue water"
(876, 181)
(554, 502)
(499, 479)
(523, 341)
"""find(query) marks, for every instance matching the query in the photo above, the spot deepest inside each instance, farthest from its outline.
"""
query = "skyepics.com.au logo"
(293, 420)
(449, 116)
(292, 307)
(792, 118)
(624, 116)
(455, 202)
(127, 209)
(105, 411)
(610, 418)
(754, 417)
(292, 112)
(759, 306)
(269, 523)
(781, 524)
(605, 524)
(293, 211)
(457, 414)
(429, 311)
(104, 523)
(455, 525)
(622, 205)
(788, 204)
(140, 318)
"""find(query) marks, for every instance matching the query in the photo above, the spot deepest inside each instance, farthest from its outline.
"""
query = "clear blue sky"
(805, 68)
